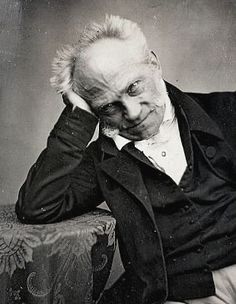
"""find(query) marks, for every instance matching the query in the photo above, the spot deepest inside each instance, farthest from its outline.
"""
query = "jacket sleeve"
(62, 183)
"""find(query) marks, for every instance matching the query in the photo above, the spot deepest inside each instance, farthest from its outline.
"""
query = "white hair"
(67, 59)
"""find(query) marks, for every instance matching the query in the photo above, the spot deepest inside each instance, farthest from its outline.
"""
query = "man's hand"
(77, 101)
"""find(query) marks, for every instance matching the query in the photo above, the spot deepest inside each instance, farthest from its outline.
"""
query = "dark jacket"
(69, 179)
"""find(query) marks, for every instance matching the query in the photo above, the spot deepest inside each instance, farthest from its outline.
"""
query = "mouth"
(140, 122)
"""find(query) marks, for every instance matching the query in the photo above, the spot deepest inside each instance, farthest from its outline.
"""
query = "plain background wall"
(195, 40)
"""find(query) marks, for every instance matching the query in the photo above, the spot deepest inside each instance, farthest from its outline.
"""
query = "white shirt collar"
(120, 141)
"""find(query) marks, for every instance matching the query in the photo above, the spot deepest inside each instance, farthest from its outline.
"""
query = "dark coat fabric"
(69, 179)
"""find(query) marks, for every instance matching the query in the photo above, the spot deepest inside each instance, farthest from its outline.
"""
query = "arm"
(62, 183)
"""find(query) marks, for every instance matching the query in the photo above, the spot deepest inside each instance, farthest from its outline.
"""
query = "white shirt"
(165, 149)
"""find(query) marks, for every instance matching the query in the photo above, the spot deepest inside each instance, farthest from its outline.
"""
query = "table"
(61, 263)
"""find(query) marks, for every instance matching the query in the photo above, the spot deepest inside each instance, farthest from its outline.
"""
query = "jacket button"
(199, 249)
(210, 152)
(186, 207)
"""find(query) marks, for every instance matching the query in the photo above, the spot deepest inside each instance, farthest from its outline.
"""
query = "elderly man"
(163, 162)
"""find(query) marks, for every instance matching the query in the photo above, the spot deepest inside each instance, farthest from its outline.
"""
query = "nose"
(132, 110)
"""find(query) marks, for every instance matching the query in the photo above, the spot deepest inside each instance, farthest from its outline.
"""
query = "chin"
(139, 136)
(110, 132)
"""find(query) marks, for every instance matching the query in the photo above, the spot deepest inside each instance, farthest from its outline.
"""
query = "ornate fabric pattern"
(66, 262)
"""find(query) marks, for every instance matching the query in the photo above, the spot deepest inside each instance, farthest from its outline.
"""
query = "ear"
(155, 60)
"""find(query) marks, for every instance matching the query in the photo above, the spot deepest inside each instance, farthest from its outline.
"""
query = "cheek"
(113, 120)
(156, 93)
(151, 96)
(157, 120)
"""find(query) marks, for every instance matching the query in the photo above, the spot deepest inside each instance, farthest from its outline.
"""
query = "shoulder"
(218, 105)
(221, 107)
(214, 100)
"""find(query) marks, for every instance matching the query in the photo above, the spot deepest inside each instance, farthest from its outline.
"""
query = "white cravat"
(165, 149)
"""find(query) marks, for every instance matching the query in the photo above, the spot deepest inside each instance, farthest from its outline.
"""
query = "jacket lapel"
(124, 169)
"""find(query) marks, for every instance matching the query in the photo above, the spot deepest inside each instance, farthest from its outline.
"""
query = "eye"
(135, 88)
(108, 109)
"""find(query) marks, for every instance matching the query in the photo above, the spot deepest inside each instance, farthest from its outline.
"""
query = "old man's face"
(128, 94)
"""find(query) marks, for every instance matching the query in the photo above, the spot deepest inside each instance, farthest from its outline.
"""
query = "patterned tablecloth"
(67, 262)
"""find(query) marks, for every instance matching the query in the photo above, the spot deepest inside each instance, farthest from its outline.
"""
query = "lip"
(140, 122)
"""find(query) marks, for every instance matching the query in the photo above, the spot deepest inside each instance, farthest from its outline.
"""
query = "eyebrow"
(94, 92)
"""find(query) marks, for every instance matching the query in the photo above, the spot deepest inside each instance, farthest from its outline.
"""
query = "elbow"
(35, 216)
(35, 209)
(25, 209)
(23, 214)
(27, 215)
(21, 209)
(31, 212)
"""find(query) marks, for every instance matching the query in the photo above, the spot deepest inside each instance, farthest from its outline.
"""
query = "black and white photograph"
(118, 151)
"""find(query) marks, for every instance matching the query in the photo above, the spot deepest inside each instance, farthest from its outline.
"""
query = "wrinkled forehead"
(108, 59)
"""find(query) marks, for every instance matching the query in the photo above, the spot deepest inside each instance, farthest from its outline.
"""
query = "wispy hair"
(69, 57)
